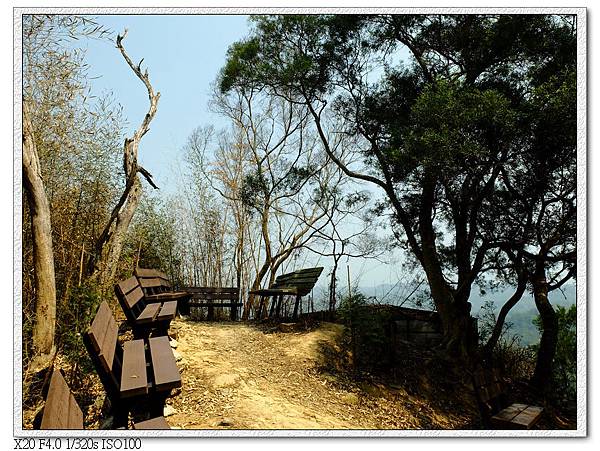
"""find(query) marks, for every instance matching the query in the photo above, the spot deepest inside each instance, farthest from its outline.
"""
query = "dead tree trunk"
(103, 263)
(43, 256)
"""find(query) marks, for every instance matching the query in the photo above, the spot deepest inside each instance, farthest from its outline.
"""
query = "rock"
(169, 410)
(174, 343)
(226, 422)
(177, 356)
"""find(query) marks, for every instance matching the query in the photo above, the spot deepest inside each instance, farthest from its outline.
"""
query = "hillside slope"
(238, 376)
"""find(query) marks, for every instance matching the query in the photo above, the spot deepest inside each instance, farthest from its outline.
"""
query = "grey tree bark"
(43, 255)
(103, 263)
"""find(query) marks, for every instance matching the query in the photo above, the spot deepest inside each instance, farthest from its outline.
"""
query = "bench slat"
(506, 415)
(133, 376)
(75, 414)
(148, 313)
(211, 296)
(98, 328)
(57, 404)
(134, 297)
(147, 272)
(528, 417)
(166, 374)
(168, 311)
(169, 296)
(109, 344)
(128, 285)
(232, 290)
(151, 282)
(153, 423)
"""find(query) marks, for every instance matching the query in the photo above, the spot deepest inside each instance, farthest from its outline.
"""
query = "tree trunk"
(508, 305)
(43, 256)
(103, 262)
(542, 376)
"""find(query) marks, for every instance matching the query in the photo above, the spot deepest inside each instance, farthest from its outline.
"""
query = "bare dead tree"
(102, 265)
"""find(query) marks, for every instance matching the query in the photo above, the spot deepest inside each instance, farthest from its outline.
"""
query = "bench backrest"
(303, 280)
(104, 348)
(152, 281)
(61, 411)
(490, 389)
(214, 293)
(131, 297)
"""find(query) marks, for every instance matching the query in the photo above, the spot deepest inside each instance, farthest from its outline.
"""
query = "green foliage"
(368, 327)
(564, 374)
(73, 318)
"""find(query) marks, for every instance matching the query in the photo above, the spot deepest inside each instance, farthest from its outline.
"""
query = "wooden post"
(295, 315)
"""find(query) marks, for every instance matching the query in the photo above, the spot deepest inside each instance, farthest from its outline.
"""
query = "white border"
(582, 418)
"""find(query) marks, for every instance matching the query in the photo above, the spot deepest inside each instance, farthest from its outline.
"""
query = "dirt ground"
(240, 376)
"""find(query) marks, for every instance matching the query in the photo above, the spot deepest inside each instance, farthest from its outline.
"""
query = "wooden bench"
(61, 411)
(496, 412)
(157, 287)
(144, 316)
(298, 283)
(211, 297)
(139, 371)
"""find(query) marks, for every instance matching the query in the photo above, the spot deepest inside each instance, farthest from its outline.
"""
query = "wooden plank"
(150, 283)
(167, 311)
(147, 272)
(57, 406)
(168, 296)
(211, 289)
(148, 314)
(164, 367)
(128, 285)
(153, 423)
(528, 417)
(200, 304)
(211, 296)
(133, 376)
(505, 416)
(107, 349)
(131, 299)
(98, 328)
(75, 414)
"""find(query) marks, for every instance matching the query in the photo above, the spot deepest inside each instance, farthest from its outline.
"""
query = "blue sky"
(183, 55)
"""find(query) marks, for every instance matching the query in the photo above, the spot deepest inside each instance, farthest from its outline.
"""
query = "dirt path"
(236, 376)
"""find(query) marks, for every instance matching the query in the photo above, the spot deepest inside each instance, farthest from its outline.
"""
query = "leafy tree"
(435, 133)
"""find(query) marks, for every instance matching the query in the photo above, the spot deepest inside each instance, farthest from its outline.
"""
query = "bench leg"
(272, 309)
(233, 313)
(295, 316)
(183, 307)
(120, 414)
(211, 313)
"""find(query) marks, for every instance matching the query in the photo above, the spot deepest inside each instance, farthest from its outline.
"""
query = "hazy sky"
(183, 55)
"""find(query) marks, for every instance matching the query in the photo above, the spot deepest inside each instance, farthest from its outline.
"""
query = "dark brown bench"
(61, 411)
(157, 287)
(144, 315)
(298, 283)
(141, 371)
(496, 411)
(211, 297)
